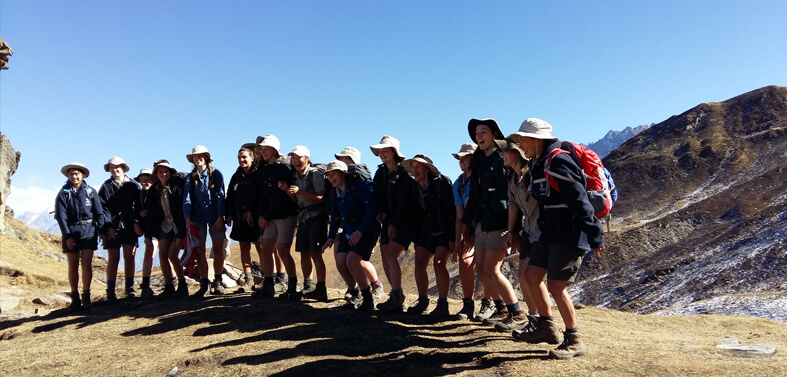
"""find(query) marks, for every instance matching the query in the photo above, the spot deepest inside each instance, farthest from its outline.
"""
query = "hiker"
(118, 194)
(203, 208)
(241, 210)
(166, 223)
(569, 229)
(353, 210)
(79, 215)
(277, 218)
(393, 198)
(487, 206)
(463, 251)
(352, 158)
(522, 213)
(278, 265)
(145, 180)
(436, 226)
(308, 190)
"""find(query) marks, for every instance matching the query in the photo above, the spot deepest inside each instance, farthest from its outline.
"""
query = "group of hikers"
(519, 192)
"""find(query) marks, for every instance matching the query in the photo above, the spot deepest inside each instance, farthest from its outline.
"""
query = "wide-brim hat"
(199, 149)
(300, 151)
(465, 150)
(336, 165)
(535, 128)
(162, 163)
(75, 165)
(117, 161)
(512, 145)
(143, 171)
(387, 142)
(350, 152)
(259, 139)
(489, 122)
(424, 159)
(271, 141)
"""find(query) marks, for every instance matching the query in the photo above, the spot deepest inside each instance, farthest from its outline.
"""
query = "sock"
(111, 285)
(217, 278)
(281, 275)
(545, 318)
(499, 303)
(513, 307)
(129, 282)
(249, 277)
(146, 281)
(573, 331)
(442, 300)
(396, 292)
(308, 282)
(376, 282)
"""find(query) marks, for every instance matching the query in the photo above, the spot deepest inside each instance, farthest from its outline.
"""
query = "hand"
(328, 243)
(355, 237)
(111, 234)
(219, 224)
(283, 186)
(381, 217)
(509, 240)
(262, 223)
(293, 190)
(228, 220)
(70, 244)
(143, 213)
(138, 230)
(597, 250)
(247, 216)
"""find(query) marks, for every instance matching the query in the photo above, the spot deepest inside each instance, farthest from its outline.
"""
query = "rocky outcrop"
(614, 139)
(5, 52)
(9, 161)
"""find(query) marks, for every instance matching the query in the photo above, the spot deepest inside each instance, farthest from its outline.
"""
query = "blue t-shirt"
(461, 190)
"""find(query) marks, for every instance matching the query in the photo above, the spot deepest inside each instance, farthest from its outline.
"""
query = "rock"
(45, 300)
(172, 371)
(8, 303)
(9, 161)
(228, 281)
(733, 348)
(233, 272)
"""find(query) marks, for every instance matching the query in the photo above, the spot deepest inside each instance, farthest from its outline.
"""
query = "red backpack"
(596, 182)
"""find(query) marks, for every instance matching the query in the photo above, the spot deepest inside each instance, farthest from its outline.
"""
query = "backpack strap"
(550, 175)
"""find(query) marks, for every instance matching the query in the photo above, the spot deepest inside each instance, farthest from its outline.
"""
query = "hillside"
(702, 219)
(614, 139)
(237, 336)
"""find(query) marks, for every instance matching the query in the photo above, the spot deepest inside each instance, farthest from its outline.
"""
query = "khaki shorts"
(561, 261)
(493, 240)
(283, 230)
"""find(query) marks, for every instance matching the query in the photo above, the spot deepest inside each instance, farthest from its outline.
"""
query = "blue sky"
(150, 79)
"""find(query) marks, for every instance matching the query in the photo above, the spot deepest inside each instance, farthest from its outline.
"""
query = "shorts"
(494, 240)
(122, 237)
(283, 230)
(364, 247)
(525, 246)
(242, 232)
(312, 234)
(561, 261)
(430, 242)
(168, 236)
(79, 245)
(214, 235)
(405, 234)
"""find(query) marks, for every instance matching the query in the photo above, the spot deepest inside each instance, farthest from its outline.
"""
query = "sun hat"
(117, 161)
(336, 165)
(75, 165)
(465, 150)
(424, 159)
(271, 141)
(512, 145)
(199, 149)
(162, 163)
(300, 151)
(387, 142)
(535, 128)
(489, 122)
(143, 171)
(350, 152)
(259, 139)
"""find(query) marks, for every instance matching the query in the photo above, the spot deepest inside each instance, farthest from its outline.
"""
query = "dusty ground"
(234, 335)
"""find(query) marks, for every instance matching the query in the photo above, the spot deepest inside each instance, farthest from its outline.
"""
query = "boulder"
(733, 347)
(8, 303)
(9, 161)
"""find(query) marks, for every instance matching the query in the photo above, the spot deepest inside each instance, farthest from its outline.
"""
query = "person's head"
(145, 179)
(116, 167)
(162, 172)
(512, 155)
(76, 173)
(532, 136)
(465, 156)
(421, 167)
(349, 155)
(300, 158)
(200, 157)
(336, 171)
(270, 148)
(388, 150)
(484, 132)
(245, 159)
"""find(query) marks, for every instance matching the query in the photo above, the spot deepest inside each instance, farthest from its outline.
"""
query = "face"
(386, 155)
(419, 171)
(116, 171)
(510, 158)
(245, 160)
(200, 160)
(75, 177)
(268, 153)
(530, 146)
(484, 136)
(299, 162)
(464, 163)
(145, 181)
(336, 178)
(163, 175)
(346, 159)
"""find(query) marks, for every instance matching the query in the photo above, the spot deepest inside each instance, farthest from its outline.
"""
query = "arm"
(575, 197)
(186, 202)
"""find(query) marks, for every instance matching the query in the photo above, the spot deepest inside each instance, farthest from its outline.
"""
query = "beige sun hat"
(512, 145)
(162, 163)
(117, 161)
(350, 152)
(387, 142)
(300, 150)
(271, 141)
(143, 171)
(535, 128)
(199, 149)
(424, 159)
(465, 150)
(75, 165)
(336, 165)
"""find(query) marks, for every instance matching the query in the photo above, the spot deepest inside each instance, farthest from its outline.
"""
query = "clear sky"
(150, 79)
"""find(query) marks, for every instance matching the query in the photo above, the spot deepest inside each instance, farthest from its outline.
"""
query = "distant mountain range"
(614, 139)
(44, 221)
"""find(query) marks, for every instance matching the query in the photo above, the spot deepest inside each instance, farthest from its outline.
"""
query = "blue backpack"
(613, 190)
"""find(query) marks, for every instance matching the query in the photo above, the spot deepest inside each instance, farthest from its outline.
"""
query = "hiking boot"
(183, 289)
(367, 301)
(111, 296)
(349, 293)
(307, 287)
(218, 288)
(291, 295)
(168, 293)
(86, 304)
(532, 320)
(266, 291)
(545, 331)
(516, 320)
(243, 288)
(468, 308)
(279, 285)
(420, 307)
(572, 346)
(441, 311)
(76, 303)
(377, 291)
(320, 293)
(356, 298)
(500, 315)
(486, 310)
(395, 304)
(147, 292)
(130, 292)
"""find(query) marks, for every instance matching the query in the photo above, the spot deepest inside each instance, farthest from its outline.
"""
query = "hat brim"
(376, 149)
(459, 155)
(83, 169)
(190, 156)
(489, 122)
(125, 167)
(516, 135)
(408, 164)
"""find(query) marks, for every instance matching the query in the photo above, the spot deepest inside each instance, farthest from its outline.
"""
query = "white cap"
(300, 151)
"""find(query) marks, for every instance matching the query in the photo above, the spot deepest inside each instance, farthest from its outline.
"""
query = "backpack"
(613, 190)
(596, 182)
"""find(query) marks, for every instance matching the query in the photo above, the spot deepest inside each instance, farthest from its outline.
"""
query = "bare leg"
(422, 258)
(163, 254)
(354, 266)
(113, 259)
(73, 271)
(493, 262)
(393, 271)
(563, 301)
(466, 274)
(129, 251)
(441, 271)
(87, 269)
(535, 277)
(341, 265)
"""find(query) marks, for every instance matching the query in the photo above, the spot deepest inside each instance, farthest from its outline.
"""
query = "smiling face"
(464, 163)
(484, 136)
(386, 155)
(116, 171)
(531, 146)
(162, 173)
(299, 162)
(200, 161)
(336, 178)
(245, 160)
(420, 172)
(510, 158)
(269, 153)
(145, 181)
(75, 177)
